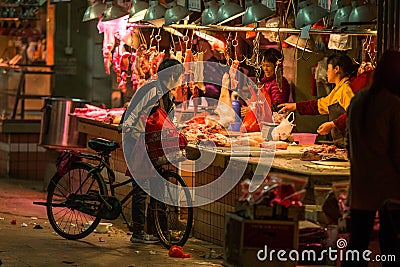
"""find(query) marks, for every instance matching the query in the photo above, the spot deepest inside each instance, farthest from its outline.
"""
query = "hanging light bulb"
(138, 10)
(255, 12)
(114, 11)
(174, 13)
(228, 11)
(309, 14)
(210, 13)
(93, 11)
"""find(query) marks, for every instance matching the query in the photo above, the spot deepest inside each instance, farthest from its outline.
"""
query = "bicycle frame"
(103, 160)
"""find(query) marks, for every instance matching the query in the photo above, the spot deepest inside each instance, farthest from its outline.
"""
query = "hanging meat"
(138, 74)
(232, 74)
(109, 28)
(224, 108)
(124, 65)
(116, 60)
(279, 73)
(107, 55)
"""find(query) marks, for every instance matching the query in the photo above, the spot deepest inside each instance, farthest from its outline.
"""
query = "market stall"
(316, 176)
(228, 142)
(211, 96)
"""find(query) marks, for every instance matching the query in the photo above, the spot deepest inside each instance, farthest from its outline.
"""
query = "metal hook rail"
(262, 29)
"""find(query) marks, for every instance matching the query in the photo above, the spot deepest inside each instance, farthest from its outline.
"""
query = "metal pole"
(265, 29)
(386, 26)
(379, 29)
(396, 25)
(390, 25)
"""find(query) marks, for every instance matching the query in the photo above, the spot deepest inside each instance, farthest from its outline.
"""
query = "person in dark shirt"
(374, 151)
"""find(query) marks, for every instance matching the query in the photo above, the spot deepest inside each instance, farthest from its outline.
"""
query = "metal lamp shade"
(256, 12)
(364, 13)
(114, 11)
(334, 5)
(138, 6)
(210, 13)
(227, 10)
(94, 11)
(303, 44)
(175, 14)
(309, 14)
(342, 15)
(155, 11)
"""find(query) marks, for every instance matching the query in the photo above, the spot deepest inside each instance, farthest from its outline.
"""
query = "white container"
(266, 131)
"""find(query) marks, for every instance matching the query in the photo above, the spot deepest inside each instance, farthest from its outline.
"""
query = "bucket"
(58, 128)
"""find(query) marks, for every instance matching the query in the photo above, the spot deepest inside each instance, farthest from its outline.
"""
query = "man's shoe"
(144, 238)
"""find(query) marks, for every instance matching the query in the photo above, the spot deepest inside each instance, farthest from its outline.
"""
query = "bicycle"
(78, 200)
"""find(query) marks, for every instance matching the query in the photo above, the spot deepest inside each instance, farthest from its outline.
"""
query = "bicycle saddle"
(103, 145)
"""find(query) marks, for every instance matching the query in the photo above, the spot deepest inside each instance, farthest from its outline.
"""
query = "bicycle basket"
(65, 160)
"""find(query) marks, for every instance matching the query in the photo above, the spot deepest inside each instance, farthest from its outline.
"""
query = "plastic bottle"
(236, 108)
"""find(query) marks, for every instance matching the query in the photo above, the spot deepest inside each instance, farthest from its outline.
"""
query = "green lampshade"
(114, 11)
(210, 13)
(309, 14)
(93, 11)
(255, 12)
(228, 10)
(155, 11)
(363, 13)
(138, 7)
(342, 15)
(175, 13)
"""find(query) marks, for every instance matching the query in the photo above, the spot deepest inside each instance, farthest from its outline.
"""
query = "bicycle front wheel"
(73, 202)
(173, 218)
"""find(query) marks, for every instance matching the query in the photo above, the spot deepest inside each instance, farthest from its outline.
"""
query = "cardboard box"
(262, 211)
(245, 239)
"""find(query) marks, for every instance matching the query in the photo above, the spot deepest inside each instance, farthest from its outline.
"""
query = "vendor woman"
(340, 67)
(274, 92)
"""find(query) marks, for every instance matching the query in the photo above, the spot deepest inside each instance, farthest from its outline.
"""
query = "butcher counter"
(209, 219)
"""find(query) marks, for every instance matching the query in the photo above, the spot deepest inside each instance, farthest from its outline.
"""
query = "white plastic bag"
(284, 129)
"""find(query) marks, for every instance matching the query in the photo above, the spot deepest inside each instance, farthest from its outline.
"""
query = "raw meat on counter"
(274, 145)
(109, 116)
(323, 152)
(206, 131)
(247, 140)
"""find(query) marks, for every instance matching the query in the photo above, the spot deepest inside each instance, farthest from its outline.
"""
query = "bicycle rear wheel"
(173, 223)
(73, 202)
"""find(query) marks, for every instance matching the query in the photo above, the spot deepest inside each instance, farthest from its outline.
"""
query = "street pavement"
(25, 244)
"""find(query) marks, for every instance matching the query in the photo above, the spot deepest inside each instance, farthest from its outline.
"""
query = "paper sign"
(305, 32)
(195, 5)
